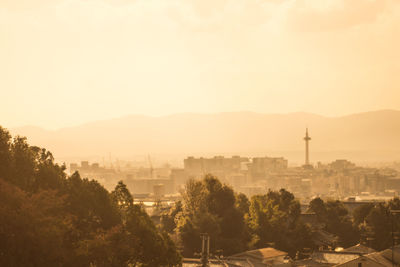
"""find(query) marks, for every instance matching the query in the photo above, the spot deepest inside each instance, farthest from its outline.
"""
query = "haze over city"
(200, 133)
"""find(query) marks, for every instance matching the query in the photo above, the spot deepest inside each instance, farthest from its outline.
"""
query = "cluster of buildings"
(142, 182)
(339, 179)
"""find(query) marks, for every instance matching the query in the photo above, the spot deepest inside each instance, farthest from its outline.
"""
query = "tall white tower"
(307, 139)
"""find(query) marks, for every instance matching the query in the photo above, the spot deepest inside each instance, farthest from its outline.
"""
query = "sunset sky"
(66, 62)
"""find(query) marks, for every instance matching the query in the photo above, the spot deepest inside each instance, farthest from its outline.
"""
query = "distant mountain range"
(364, 136)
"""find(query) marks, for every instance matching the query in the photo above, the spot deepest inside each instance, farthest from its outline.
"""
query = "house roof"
(311, 262)
(374, 257)
(333, 257)
(359, 249)
(387, 253)
(226, 262)
(383, 258)
(188, 262)
(261, 254)
(379, 258)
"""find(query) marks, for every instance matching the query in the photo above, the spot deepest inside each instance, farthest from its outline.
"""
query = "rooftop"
(359, 249)
(261, 254)
(334, 257)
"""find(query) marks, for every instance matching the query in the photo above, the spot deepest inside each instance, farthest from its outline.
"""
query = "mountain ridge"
(225, 132)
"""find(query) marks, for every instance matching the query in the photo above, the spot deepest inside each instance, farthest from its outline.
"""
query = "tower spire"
(307, 139)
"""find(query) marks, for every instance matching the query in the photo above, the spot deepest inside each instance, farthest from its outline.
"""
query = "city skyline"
(188, 133)
(360, 137)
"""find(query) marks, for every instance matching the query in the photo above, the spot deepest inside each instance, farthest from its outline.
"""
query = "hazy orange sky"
(65, 62)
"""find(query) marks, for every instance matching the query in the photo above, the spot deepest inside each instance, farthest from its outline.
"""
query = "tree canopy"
(336, 219)
(274, 220)
(375, 223)
(50, 219)
(235, 223)
(210, 207)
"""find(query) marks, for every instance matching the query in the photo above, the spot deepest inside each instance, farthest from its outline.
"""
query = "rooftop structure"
(267, 256)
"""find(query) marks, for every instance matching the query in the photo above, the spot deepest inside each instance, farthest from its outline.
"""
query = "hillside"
(364, 136)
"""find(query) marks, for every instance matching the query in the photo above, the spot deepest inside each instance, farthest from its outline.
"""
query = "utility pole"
(205, 249)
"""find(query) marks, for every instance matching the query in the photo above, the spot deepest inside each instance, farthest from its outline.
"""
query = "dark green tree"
(122, 197)
(378, 223)
(49, 219)
(210, 207)
(5, 154)
(242, 203)
(361, 213)
(274, 219)
(168, 217)
(32, 228)
(336, 219)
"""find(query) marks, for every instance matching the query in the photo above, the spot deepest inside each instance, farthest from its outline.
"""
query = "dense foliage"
(274, 220)
(49, 219)
(234, 222)
(336, 219)
(370, 224)
(210, 207)
(376, 223)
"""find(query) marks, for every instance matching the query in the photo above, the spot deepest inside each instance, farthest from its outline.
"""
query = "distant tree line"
(50, 219)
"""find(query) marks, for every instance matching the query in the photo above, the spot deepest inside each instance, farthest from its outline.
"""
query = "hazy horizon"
(189, 113)
(361, 137)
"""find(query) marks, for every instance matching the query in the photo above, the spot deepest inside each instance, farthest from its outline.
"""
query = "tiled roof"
(226, 262)
(377, 257)
(387, 253)
(262, 253)
(359, 249)
(311, 262)
(333, 257)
